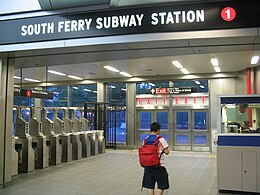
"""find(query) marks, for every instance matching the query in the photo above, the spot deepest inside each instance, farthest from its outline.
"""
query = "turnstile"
(23, 144)
(74, 136)
(14, 158)
(38, 141)
(64, 137)
(80, 125)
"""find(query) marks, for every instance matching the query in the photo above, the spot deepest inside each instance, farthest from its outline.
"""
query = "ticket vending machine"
(74, 136)
(39, 141)
(23, 144)
(64, 137)
(55, 147)
(80, 125)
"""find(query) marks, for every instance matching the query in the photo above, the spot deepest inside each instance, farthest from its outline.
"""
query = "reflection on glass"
(26, 115)
(14, 121)
(200, 121)
(145, 120)
(182, 139)
(200, 139)
(182, 121)
(78, 114)
(50, 114)
(60, 114)
(162, 118)
(143, 136)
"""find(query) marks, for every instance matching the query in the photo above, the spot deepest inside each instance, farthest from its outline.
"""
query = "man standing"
(156, 174)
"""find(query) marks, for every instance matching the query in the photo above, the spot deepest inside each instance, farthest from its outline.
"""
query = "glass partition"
(145, 120)
(240, 114)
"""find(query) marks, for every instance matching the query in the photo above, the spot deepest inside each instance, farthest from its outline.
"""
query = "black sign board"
(155, 19)
(174, 90)
(33, 93)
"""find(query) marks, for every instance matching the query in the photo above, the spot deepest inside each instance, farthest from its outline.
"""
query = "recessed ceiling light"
(125, 74)
(214, 61)
(177, 64)
(75, 77)
(32, 80)
(111, 68)
(217, 69)
(254, 59)
(185, 71)
(56, 72)
(16, 77)
(88, 90)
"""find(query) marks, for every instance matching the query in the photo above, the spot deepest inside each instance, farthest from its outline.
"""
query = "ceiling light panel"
(125, 74)
(111, 69)
(254, 59)
(16, 77)
(177, 64)
(32, 80)
(217, 69)
(214, 61)
(75, 77)
(185, 71)
(56, 72)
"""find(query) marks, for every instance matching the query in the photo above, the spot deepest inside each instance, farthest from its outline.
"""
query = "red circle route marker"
(228, 14)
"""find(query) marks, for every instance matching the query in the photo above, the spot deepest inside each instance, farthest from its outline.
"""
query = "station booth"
(69, 119)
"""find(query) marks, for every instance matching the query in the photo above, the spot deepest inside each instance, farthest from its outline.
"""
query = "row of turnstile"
(38, 143)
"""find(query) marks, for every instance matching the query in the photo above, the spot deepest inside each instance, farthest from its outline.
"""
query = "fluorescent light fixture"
(94, 91)
(32, 80)
(125, 74)
(16, 77)
(152, 84)
(197, 82)
(214, 61)
(185, 71)
(202, 86)
(75, 77)
(123, 89)
(254, 59)
(112, 86)
(56, 72)
(177, 64)
(88, 90)
(75, 87)
(217, 69)
(111, 68)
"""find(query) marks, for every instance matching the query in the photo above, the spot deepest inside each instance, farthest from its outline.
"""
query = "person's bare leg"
(159, 192)
(151, 191)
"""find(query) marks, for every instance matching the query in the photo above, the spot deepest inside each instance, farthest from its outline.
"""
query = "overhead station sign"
(173, 90)
(31, 93)
(155, 19)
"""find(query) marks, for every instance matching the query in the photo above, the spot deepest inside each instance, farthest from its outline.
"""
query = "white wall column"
(6, 119)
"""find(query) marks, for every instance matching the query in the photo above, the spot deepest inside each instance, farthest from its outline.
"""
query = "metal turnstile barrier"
(64, 137)
(39, 141)
(55, 147)
(23, 144)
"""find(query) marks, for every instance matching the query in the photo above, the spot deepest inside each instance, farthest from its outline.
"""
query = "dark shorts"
(154, 175)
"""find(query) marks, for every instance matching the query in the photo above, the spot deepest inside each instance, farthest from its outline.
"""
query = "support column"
(6, 120)
(101, 92)
(131, 114)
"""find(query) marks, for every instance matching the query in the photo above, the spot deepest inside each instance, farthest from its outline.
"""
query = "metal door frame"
(153, 119)
(191, 132)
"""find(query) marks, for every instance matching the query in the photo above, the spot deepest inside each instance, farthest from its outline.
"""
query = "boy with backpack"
(151, 157)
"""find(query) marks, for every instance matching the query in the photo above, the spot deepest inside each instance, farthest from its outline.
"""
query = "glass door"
(191, 130)
(144, 120)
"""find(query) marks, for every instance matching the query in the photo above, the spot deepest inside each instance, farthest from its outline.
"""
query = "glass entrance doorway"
(146, 117)
(191, 130)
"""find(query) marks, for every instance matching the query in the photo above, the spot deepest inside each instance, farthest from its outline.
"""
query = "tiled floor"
(117, 172)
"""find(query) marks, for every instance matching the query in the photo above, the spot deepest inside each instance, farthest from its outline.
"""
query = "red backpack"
(148, 154)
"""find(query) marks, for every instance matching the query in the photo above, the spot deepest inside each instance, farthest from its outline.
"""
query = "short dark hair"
(155, 127)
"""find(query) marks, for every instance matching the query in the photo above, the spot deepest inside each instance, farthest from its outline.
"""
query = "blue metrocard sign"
(124, 21)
